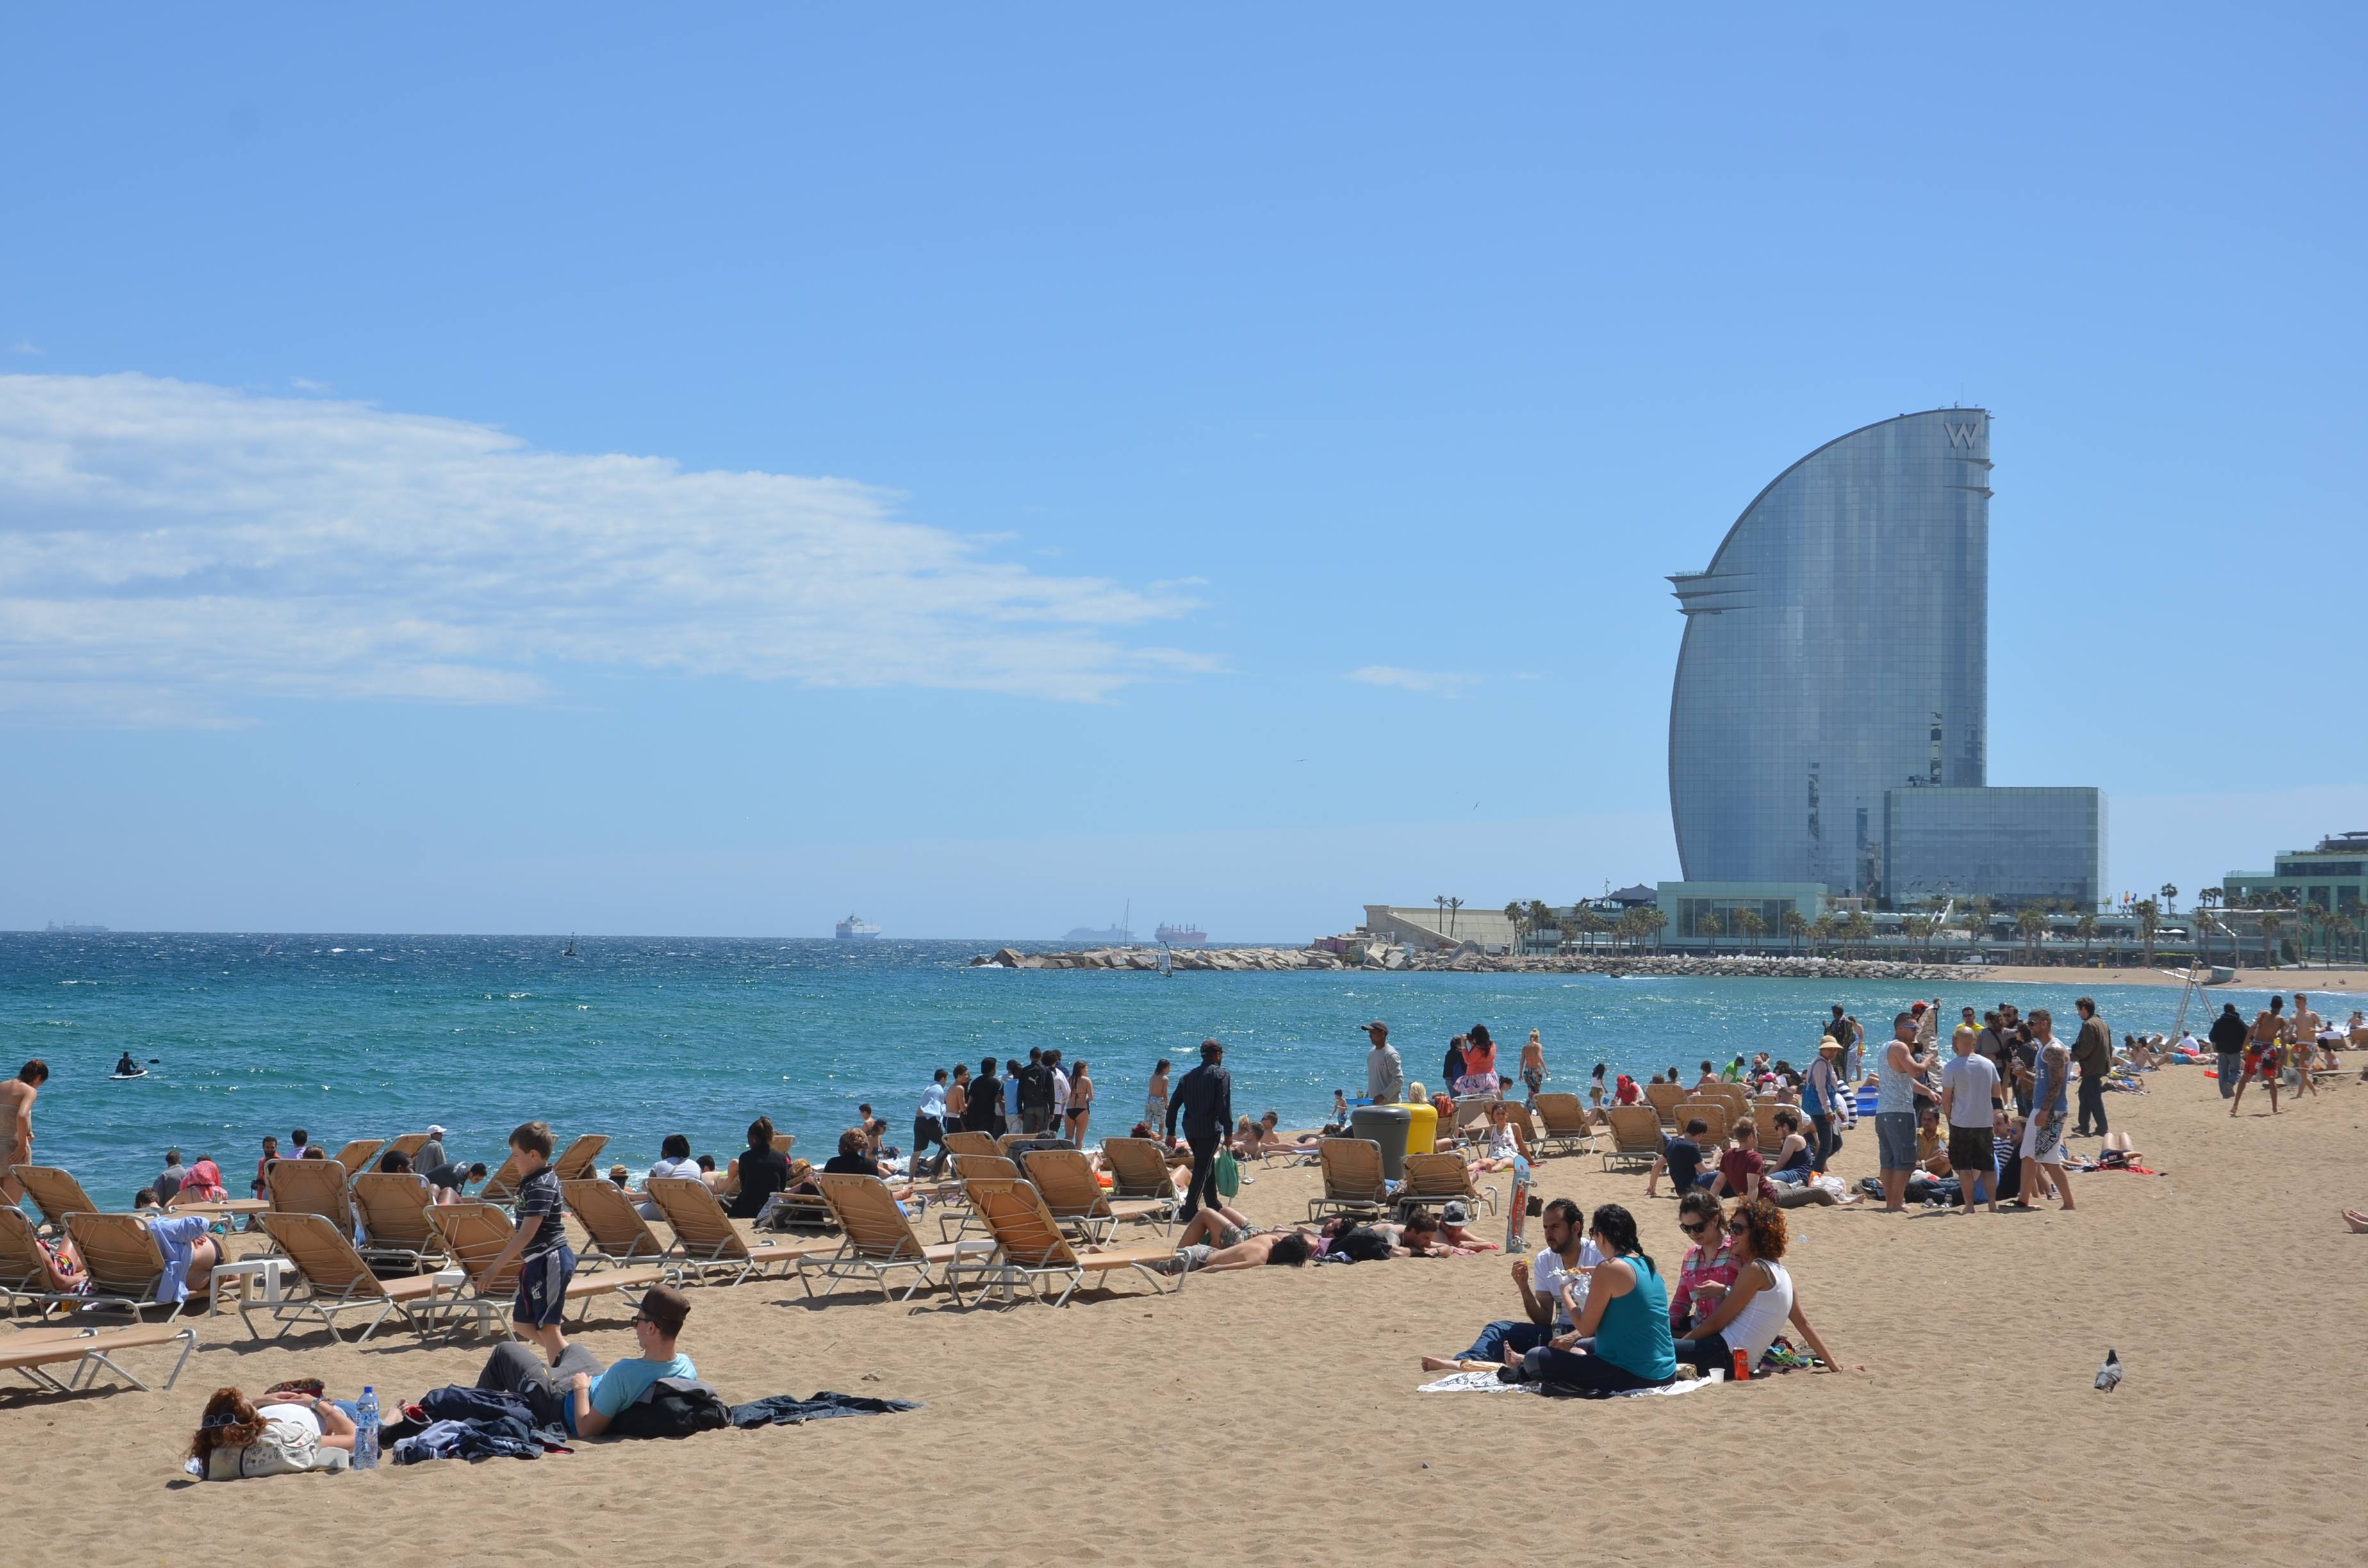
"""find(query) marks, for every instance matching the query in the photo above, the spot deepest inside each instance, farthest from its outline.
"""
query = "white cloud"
(23, 345)
(169, 549)
(1430, 682)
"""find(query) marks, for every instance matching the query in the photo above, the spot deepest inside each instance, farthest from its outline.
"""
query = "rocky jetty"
(1470, 959)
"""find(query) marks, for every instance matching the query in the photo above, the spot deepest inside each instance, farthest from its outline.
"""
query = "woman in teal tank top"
(1622, 1338)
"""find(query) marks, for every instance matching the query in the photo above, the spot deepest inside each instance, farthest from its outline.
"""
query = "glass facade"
(2018, 846)
(1836, 650)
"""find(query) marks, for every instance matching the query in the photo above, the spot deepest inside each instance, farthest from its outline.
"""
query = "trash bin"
(1422, 1129)
(1385, 1125)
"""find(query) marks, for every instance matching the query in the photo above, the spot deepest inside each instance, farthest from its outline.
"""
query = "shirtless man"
(1220, 1239)
(16, 1097)
(2305, 1026)
(2261, 1053)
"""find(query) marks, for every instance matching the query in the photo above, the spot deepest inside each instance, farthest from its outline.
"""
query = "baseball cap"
(433, 1130)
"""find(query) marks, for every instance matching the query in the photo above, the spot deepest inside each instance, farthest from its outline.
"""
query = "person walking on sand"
(2092, 1052)
(2261, 1053)
(16, 1097)
(1384, 1073)
(2303, 1028)
(1894, 1110)
(1533, 1066)
(1205, 1101)
(2227, 1037)
(2043, 1137)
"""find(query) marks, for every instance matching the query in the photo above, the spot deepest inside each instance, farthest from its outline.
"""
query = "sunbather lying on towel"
(287, 1434)
(1222, 1239)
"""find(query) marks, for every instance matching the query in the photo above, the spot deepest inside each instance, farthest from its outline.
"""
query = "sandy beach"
(2285, 982)
(1276, 1412)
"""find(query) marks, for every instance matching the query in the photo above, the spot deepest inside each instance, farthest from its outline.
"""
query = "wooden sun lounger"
(1635, 1135)
(1712, 1111)
(127, 1267)
(1568, 1130)
(972, 1143)
(613, 1222)
(1030, 1248)
(878, 1239)
(394, 1217)
(24, 1266)
(706, 1241)
(1140, 1174)
(574, 1162)
(33, 1352)
(1665, 1099)
(475, 1233)
(502, 1185)
(1352, 1179)
(357, 1156)
(1433, 1180)
(187, 1201)
(312, 1186)
(56, 1193)
(408, 1146)
(337, 1279)
(1065, 1180)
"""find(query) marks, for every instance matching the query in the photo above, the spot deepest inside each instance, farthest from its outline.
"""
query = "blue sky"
(976, 468)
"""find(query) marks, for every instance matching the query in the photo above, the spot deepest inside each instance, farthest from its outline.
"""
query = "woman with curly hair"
(1759, 1302)
(236, 1438)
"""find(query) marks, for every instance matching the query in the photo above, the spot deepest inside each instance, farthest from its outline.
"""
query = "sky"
(578, 468)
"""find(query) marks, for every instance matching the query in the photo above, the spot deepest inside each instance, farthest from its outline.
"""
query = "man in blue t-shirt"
(1681, 1158)
(576, 1394)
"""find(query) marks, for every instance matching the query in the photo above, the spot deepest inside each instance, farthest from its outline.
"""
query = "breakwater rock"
(1471, 961)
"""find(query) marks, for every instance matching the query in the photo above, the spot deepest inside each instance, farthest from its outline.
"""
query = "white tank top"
(1762, 1317)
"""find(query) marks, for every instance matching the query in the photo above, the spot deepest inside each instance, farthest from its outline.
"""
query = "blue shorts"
(543, 1287)
(1895, 1135)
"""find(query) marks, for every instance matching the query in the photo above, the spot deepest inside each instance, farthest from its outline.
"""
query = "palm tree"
(2032, 923)
(1518, 913)
(1656, 920)
(1706, 924)
(2271, 920)
(1797, 926)
(2313, 917)
(1751, 924)
(2150, 921)
(1543, 917)
(1592, 925)
(2086, 927)
(1821, 931)
(2212, 896)
(1861, 928)
(2169, 898)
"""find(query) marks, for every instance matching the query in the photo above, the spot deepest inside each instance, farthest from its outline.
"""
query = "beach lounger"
(357, 1156)
(475, 1235)
(991, 1165)
(56, 1193)
(1352, 1179)
(24, 1265)
(394, 1217)
(1714, 1112)
(1665, 1099)
(192, 1200)
(502, 1185)
(574, 1162)
(1140, 1174)
(408, 1146)
(1065, 1180)
(1635, 1135)
(1471, 1117)
(1433, 1180)
(1030, 1248)
(1731, 1096)
(613, 1220)
(33, 1352)
(878, 1239)
(127, 1267)
(312, 1186)
(706, 1241)
(337, 1279)
(1568, 1130)
(972, 1143)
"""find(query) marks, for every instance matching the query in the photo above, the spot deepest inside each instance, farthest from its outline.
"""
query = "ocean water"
(363, 1036)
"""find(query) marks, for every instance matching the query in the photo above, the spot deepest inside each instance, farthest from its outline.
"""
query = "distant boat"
(76, 928)
(1182, 936)
(855, 927)
(1119, 936)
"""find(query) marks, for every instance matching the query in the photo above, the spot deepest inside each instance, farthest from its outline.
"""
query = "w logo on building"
(1962, 435)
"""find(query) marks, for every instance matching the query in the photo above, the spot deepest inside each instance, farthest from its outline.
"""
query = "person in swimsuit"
(2261, 1053)
(1507, 1141)
(1081, 1104)
(16, 1097)
(1155, 1099)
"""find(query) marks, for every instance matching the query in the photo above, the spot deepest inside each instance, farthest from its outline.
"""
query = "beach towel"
(1489, 1382)
(788, 1410)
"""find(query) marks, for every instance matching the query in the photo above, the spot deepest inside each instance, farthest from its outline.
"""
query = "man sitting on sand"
(575, 1392)
(1682, 1159)
(1545, 1284)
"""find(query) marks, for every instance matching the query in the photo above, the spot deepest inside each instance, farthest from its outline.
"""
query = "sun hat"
(1830, 1044)
(1456, 1214)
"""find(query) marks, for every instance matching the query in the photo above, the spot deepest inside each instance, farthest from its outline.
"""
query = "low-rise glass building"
(2017, 845)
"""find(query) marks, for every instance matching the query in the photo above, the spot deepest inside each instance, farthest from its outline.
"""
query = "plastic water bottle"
(366, 1430)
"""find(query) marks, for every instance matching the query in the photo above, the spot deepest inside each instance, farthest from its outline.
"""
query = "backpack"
(672, 1407)
(1362, 1244)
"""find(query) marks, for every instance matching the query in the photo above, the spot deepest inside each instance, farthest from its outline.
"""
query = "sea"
(373, 1036)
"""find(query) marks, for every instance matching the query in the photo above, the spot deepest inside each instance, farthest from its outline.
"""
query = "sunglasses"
(1736, 1227)
(1697, 1228)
